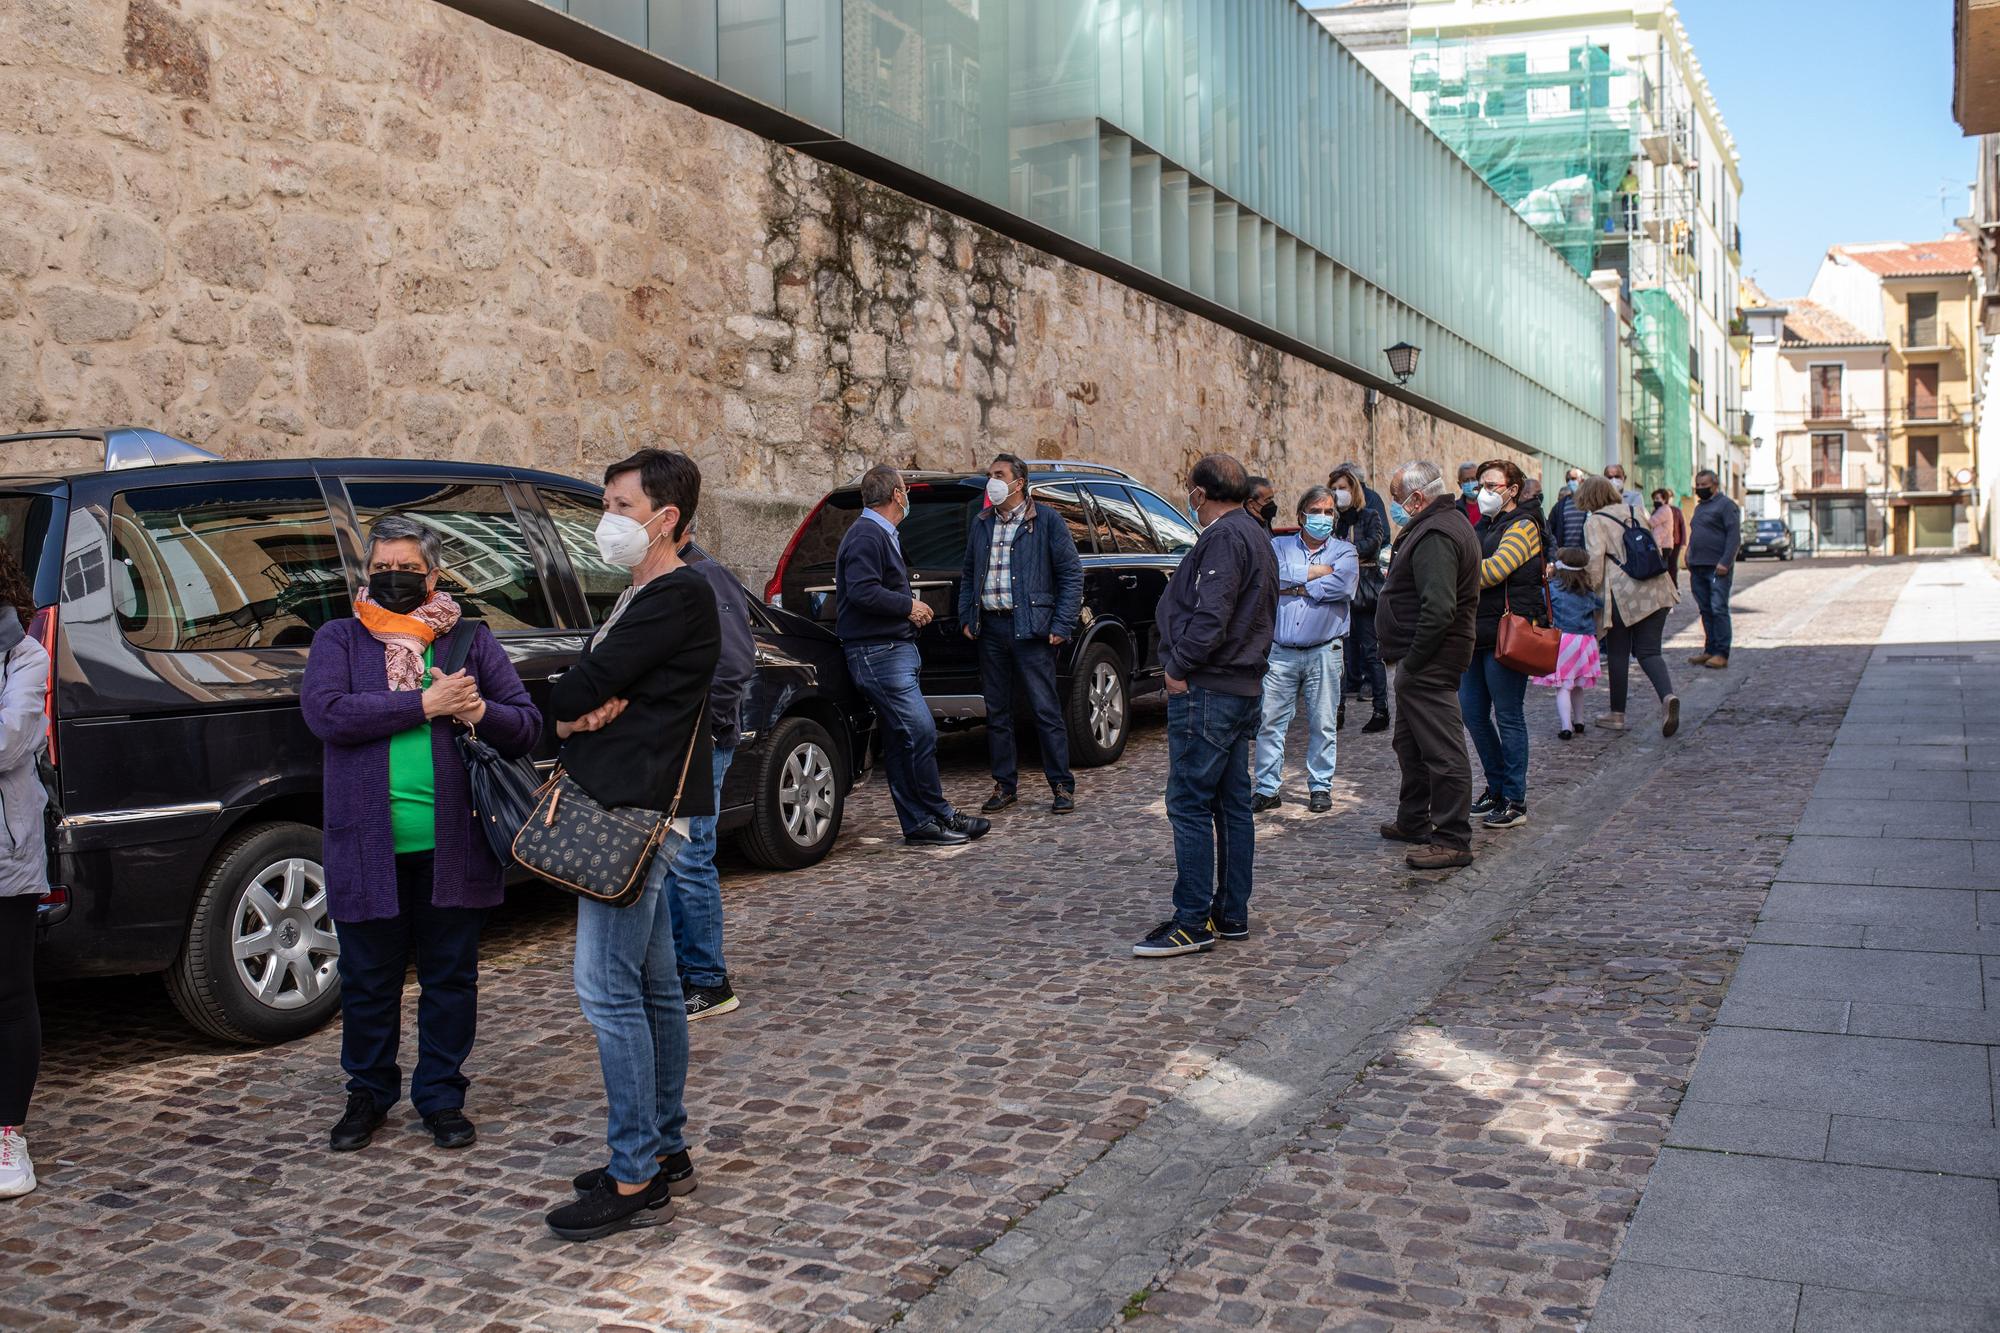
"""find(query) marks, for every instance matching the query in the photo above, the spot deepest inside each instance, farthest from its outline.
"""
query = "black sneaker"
(1001, 798)
(935, 834)
(970, 826)
(1230, 930)
(1486, 804)
(1063, 802)
(1260, 802)
(677, 1171)
(708, 1001)
(450, 1129)
(604, 1210)
(1170, 939)
(1508, 814)
(1321, 802)
(1379, 722)
(358, 1125)
(1340, 716)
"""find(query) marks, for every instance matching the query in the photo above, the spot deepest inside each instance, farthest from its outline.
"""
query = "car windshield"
(1770, 527)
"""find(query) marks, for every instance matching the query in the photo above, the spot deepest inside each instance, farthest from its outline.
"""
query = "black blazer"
(660, 658)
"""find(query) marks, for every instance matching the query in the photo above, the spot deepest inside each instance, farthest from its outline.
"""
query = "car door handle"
(1129, 580)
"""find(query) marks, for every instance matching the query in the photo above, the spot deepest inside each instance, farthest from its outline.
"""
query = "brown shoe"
(1437, 857)
(1672, 722)
(1716, 663)
(1395, 832)
(1699, 659)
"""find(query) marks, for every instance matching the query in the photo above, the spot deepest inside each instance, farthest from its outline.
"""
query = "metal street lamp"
(1402, 361)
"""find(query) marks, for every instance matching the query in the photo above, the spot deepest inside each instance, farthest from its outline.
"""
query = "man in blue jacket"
(1714, 535)
(877, 616)
(1215, 622)
(1019, 595)
(1317, 575)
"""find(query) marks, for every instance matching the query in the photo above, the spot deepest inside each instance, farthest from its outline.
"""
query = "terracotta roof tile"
(1914, 259)
(1808, 323)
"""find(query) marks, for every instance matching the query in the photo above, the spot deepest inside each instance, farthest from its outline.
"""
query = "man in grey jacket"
(1714, 533)
(1215, 621)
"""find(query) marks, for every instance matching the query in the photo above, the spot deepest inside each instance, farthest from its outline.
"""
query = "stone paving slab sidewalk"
(937, 1048)
(1836, 1164)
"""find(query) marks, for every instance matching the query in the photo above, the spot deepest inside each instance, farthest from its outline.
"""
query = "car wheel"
(799, 798)
(1100, 713)
(261, 960)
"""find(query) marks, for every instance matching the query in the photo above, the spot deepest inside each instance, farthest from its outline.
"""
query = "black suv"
(1129, 539)
(179, 595)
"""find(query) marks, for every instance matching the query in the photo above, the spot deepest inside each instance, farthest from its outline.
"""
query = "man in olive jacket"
(1425, 620)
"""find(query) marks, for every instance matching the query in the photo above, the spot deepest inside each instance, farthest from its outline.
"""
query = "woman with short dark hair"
(408, 869)
(1491, 694)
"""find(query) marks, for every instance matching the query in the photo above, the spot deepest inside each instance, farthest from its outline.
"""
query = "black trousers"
(20, 1016)
(1642, 641)
(1003, 660)
(1430, 749)
(1361, 657)
(374, 957)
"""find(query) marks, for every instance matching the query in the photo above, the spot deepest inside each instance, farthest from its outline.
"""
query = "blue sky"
(1842, 115)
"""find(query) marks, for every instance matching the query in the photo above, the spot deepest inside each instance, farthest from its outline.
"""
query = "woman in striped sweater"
(1491, 695)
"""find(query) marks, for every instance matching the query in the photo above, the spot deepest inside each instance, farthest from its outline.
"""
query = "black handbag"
(503, 790)
(595, 851)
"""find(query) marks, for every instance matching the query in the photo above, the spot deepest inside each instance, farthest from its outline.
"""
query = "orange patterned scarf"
(405, 638)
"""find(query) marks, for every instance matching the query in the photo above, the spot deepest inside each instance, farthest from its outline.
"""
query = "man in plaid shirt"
(1020, 595)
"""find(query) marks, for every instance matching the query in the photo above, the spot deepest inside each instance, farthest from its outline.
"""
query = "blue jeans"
(1711, 598)
(630, 989)
(1492, 697)
(374, 959)
(1004, 659)
(694, 895)
(886, 671)
(1208, 802)
(1314, 675)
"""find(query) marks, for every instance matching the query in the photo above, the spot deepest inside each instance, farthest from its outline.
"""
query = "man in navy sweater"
(1714, 534)
(877, 617)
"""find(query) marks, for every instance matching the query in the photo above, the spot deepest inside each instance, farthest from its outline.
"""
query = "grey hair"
(1418, 477)
(1353, 469)
(1313, 495)
(403, 528)
(879, 485)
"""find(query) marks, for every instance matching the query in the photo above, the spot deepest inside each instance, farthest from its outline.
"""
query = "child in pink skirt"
(1576, 608)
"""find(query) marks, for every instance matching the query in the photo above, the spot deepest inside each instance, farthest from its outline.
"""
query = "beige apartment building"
(1865, 403)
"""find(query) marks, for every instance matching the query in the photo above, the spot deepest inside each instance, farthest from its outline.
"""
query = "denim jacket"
(1047, 575)
(1576, 612)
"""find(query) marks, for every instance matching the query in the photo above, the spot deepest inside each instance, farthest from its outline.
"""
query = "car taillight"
(774, 590)
(43, 627)
(55, 898)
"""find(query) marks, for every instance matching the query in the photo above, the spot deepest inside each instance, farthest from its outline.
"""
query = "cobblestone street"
(952, 1098)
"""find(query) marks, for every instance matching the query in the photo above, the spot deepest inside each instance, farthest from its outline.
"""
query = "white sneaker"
(17, 1169)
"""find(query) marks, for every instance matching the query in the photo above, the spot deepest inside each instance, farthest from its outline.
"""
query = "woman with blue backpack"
(1626, 568)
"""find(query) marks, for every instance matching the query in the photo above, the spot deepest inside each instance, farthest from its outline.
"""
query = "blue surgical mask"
(1318, 526)
(1468, 489)
(1399, 515)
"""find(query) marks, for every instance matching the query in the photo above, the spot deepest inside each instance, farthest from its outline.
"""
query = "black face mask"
(397, 590)
(1268, 512)
(1704, 491)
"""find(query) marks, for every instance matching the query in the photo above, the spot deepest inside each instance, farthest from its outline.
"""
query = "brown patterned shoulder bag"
(595, 851)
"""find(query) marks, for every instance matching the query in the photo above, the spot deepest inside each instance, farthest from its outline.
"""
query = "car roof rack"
(1073, 465)
(126, 446)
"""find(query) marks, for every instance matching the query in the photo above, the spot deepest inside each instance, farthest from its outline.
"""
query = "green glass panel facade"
(1233, 148)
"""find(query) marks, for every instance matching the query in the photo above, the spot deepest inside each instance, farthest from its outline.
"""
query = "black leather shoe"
(1260, 802)
(1340, 716)
(1321, 802)
(358, 1125)
(1001, 798)
(935, 834)
(1379, 722)
(450, 1128)
(1064, 802)
(971, 826)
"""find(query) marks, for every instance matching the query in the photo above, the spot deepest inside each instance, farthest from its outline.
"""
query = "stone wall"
(381, 227)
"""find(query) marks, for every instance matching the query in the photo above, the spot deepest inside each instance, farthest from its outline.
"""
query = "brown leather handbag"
(1524, 646)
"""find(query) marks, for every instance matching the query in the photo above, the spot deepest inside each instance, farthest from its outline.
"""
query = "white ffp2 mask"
(996, 492)
(623, 541)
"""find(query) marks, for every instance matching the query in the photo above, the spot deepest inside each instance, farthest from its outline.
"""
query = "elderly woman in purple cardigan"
(407, 868)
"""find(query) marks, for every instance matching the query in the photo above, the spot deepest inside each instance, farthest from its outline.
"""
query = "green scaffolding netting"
(1662, 425)
(1550, 131)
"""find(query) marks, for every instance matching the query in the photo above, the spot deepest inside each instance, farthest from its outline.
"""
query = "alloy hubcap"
(805, 794)
(284, 944)
(1107, 705)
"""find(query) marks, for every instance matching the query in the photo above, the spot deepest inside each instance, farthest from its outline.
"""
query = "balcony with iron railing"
(1934, 478)
(1928, 339)
(1830, 409)
(1931, 414)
